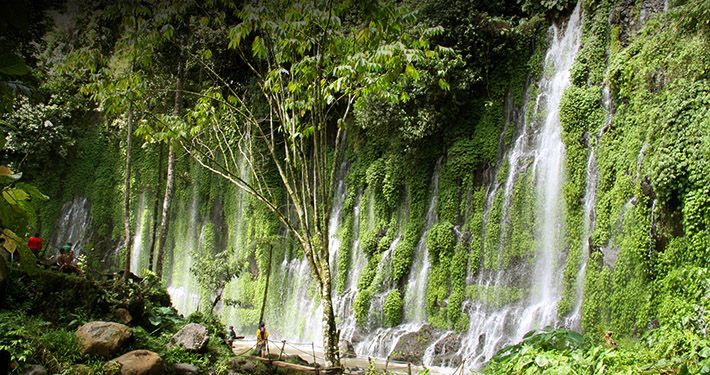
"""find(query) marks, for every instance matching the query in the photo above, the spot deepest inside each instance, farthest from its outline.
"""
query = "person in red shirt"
(35, 244)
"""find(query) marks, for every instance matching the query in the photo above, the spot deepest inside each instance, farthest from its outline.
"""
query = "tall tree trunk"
(127, 194)
(156, 208)
(170, 179)
(266, 288)
(330, 331)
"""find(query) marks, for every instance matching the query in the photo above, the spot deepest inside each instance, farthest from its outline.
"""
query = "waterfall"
(344, 303)
(537, 158)
(139, 258)
(72, 225)
(382, 341)
(590, 194)
(416, 285)
(338, 199)
(589, 219)
(299, 316)
(182, 287)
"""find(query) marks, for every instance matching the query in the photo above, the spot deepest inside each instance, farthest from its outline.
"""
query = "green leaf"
(13, 65)
(14, 195)
(444, 85)
(411, 72)
(32, 191)
(258, 48)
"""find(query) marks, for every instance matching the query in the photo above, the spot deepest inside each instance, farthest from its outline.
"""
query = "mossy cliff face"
(636, 209)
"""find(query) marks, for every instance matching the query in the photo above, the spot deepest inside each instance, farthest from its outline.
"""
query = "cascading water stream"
(416, 285)
(497, 323)
(382, 341)
(589, 219)
(575, 318)
(72, 226)
(183, 289)
(338, 199)
(139, 260)
(344, 302)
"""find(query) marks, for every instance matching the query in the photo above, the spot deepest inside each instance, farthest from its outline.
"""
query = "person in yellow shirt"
(262, 339)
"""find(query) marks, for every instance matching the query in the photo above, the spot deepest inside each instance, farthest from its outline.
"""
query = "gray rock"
(445, 351)
(140, 362)
(35, 370)
(347, 350)
(102, 338)
(185, 369)
(192, 337)
(411, 346)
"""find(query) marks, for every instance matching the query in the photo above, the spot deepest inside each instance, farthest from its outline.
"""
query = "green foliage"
(38, 131)
(440, 241)
(563, 351)
(393, 308)
(361, 306)
(18, 204)
(31, 340)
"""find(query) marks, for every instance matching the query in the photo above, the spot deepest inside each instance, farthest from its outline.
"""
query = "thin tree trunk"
(330, 331)
(218, 298)
(170, 179)
(127, 194)
(156, 208)
(266, 288)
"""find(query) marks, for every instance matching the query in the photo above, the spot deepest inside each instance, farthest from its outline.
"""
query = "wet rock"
(192, 337)
(347, 350)
(102, 338)
(35, 370)
(445, 351)
(647, 188)
(139, 362)
(185, 369)
(411, 346)
(123, 315)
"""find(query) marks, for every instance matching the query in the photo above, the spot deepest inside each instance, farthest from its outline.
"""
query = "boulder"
(192, 337)
(347, 350)
(102, 338)
(139, 362)
(445, 351)
(411, 346)
(35, 370)
(123, 315)
(185, 369)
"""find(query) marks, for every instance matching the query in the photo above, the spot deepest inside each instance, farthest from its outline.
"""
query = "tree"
(120, 83)
(312, 60)
(213, 272)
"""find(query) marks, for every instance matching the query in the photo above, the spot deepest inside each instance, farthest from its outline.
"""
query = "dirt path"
(352, 365)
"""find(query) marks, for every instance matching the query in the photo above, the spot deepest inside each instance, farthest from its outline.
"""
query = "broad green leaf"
(258, 48)
(14, 195)
(32, 191)
(444, 85)
(13, 65)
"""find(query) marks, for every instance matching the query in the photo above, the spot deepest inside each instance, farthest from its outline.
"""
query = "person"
(65, 261)
(231, 336)
(35, 244)
(262, 339)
